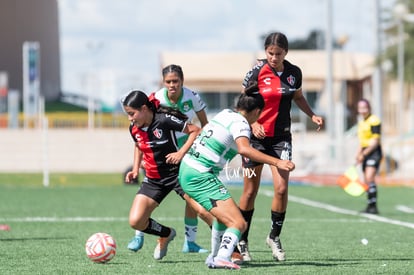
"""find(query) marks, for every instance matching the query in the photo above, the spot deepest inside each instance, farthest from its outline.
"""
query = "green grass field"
(322, 232)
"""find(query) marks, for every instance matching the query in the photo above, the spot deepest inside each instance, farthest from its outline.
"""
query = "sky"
(123, 38)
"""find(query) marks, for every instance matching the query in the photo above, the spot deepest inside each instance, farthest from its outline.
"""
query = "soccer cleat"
(371, 209)
(192, 247)
(277, 252)
(236, 258)
(220, 263)
(136, 243)
(209, 259)
(243, 247)
(162, 246)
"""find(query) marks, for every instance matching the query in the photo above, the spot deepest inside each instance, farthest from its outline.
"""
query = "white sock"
(139, 233)
(227, 245)
(216, 237)
(190, 233)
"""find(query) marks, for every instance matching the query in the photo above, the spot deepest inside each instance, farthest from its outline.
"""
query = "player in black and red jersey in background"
(153, 130)
(279, 82)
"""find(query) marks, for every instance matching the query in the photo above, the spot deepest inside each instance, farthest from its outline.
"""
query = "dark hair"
(278, 39)
(250, 99)
(366, 101)
(136, 99)
(173, 69)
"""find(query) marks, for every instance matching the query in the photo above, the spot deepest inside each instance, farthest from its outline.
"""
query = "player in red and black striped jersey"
(157, 141)
(278, 89)
(279, 83)
(153, 129)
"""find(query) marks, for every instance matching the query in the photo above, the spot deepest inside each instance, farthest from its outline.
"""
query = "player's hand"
(317, 120)
(173, 158)
(359, 158)
(130, 176)
(286, 165)
(258, 130)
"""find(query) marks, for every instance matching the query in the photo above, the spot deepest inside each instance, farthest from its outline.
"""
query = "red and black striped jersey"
(277, 91)
(157, 141)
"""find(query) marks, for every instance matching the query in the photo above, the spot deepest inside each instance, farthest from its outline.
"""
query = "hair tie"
(155, 102)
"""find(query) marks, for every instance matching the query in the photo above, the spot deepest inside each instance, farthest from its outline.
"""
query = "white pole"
(91, 107)
(329, 78)
(377, 81)
(45, 151)
(44, 126)
(400, 70)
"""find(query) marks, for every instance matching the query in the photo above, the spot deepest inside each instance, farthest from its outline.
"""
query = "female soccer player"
(152, 129)
(227, 134)
(369, 151)
(279, 83)
(188, 102)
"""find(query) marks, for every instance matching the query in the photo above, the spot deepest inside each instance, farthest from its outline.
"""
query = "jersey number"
(202, 142)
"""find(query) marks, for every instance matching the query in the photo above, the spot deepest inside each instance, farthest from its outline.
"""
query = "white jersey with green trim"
(189, 104)
(216, 145)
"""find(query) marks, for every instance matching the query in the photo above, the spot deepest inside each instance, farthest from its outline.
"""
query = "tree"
(392, 40)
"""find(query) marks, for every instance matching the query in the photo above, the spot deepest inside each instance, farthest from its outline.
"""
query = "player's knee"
(281, 190)
(137, 223)
(250, 195)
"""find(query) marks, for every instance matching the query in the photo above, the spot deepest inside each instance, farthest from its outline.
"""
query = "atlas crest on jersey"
(291, 80)
(157, 133)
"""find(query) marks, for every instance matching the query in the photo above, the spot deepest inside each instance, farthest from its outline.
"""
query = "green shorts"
(204, 188)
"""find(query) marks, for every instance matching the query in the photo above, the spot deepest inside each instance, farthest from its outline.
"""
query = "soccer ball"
(100, 247)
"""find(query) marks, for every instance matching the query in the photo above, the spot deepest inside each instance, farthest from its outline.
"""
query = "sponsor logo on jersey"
(173, 118)
(157, 133)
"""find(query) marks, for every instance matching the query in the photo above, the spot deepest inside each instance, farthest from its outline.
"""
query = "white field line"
(331, 208)
(125, 219)
(405, 209)
(65, 219)
(335, 209)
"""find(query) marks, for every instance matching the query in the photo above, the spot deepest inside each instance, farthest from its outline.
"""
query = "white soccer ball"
(100, 247)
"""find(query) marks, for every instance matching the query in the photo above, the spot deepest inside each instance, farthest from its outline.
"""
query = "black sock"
(277, 223)
(155, 228)
(372, 194)
(247, 215)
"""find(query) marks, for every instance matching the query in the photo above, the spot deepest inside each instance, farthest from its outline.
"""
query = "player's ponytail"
(250, 99)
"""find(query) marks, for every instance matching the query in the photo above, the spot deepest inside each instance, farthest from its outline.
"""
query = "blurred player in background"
(369, 152)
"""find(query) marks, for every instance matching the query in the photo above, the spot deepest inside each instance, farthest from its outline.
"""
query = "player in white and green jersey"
(185, 100)
(225, 136)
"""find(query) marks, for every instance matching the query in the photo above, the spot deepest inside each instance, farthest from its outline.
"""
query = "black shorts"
(373, 159)
(279, 147)
(158, 189)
